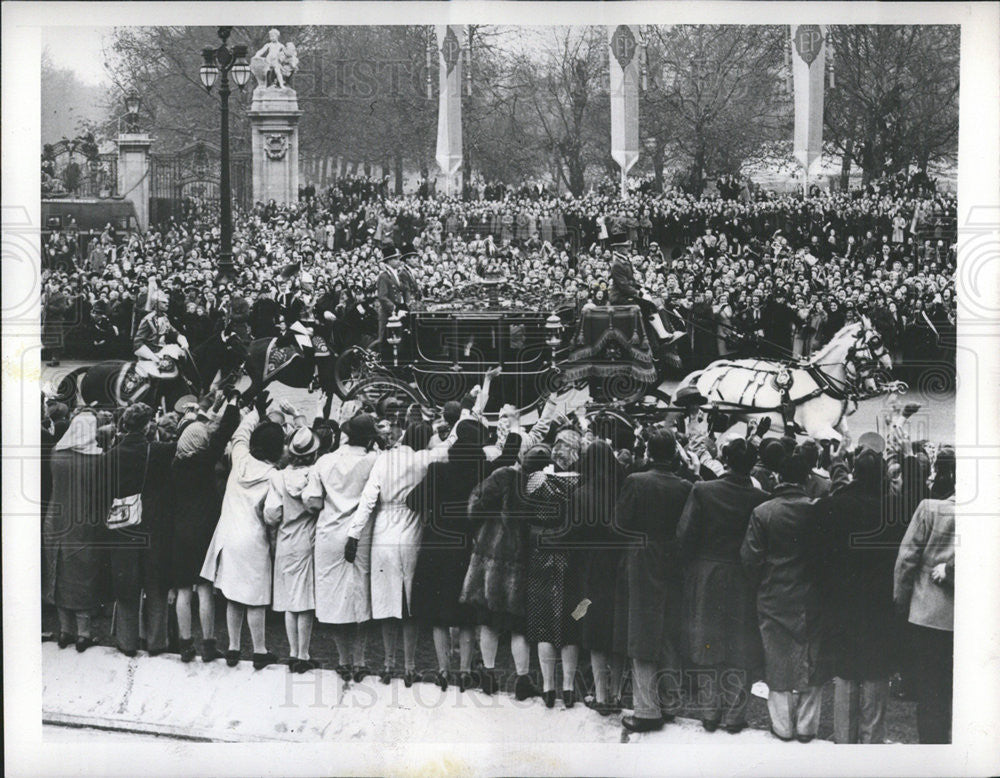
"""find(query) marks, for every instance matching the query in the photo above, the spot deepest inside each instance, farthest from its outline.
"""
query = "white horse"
(817, 394)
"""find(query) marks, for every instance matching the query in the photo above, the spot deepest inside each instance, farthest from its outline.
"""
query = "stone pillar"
(133, 173)
(274, 119)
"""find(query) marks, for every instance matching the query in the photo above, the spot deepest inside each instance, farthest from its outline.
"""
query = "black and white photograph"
(518, 389)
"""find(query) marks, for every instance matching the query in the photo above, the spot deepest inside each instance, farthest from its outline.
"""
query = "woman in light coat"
(924, 592)
(395, 533)
(294, 580)
(342, 569)
(238, 561)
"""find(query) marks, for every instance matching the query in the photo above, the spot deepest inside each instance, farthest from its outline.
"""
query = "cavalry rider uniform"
(150, 337)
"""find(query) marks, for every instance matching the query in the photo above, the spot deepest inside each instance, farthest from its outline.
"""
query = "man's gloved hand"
(351, 550)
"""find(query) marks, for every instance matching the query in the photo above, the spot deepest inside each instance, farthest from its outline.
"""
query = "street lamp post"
(218, 63)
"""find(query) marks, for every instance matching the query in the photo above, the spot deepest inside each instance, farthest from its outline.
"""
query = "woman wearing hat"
(238, 561)
(441, 499)
(74, 534)
(294, 582)
(552, 587)
(395, 539)
(343, 596)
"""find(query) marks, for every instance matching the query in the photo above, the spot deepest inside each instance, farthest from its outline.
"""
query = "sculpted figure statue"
(275, 63)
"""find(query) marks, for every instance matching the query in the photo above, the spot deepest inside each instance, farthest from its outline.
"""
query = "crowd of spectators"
(666, 553)
(750, 272)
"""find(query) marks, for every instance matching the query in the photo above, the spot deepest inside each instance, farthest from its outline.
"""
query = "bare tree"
(566, 85)
(714, 97)
(895, 99)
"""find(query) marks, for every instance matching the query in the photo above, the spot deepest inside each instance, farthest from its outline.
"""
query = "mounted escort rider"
(156, 357)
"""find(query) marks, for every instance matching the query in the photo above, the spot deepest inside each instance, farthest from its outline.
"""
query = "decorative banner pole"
(809, 76)
(449, 138)
(623, 44)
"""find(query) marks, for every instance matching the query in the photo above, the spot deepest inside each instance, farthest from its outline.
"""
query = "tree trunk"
(698, 172)
(658, 167)
(399, 173)
(466, 171)
(845, 165)
(576, 182)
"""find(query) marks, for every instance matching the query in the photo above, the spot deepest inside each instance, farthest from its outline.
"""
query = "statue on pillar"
(275, 63)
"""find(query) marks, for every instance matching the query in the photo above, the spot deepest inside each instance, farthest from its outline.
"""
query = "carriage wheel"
(352, 366)
(376, 391)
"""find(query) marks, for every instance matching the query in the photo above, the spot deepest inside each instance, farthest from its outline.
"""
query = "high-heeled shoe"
(550, 698)
(65, 639)
(386, 676)
(569, 697)
(524, 689)
(408, 678)
(232, 658)
(304, 665)
(441, 679)
(209, 651)
(262, 660)
(466, 681)
(187, 650)
(489, 684)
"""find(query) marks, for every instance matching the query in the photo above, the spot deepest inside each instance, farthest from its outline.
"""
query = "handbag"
(127, 511)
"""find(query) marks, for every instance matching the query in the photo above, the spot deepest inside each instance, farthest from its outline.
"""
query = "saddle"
(132, 384)
(277, 358)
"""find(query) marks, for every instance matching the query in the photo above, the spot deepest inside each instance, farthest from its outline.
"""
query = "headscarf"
(566, 448)
(81, 435)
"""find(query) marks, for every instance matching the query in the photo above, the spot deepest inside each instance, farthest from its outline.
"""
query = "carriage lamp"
(393, 330)
(553, 330)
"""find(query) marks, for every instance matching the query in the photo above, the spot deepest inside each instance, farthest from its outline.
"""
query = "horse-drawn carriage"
(541, 345)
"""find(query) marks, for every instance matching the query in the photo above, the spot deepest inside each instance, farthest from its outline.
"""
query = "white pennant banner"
(449, 138)
(623, 49)
(808, 72)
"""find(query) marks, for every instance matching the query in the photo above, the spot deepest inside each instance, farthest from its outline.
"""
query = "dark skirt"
(437, 582)
(603, 627)
(552, 596)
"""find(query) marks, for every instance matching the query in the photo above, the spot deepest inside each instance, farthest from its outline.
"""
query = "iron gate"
(193, 173)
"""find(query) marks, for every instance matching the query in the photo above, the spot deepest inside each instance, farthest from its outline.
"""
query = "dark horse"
(113, 383)
(275, 359)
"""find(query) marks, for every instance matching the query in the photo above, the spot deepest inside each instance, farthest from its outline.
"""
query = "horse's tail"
(67, 389)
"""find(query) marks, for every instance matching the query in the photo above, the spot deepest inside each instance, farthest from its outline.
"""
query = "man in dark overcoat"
(720, 615)
(650, 505)
(779, 555)
(860, 548)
